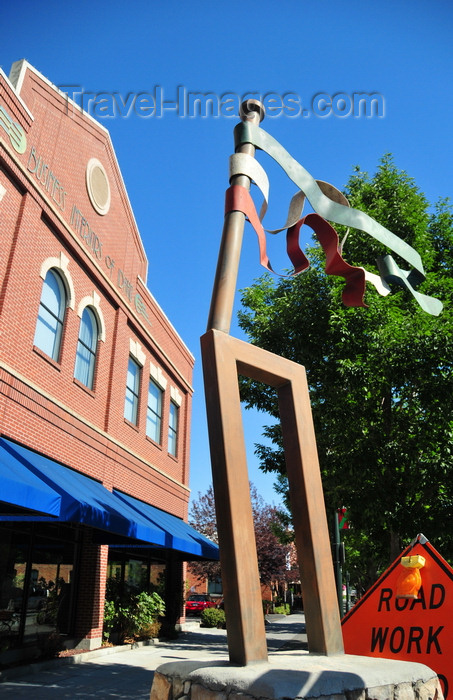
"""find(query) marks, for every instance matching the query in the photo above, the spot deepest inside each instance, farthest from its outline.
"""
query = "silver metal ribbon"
(244, 164)
(339, 213)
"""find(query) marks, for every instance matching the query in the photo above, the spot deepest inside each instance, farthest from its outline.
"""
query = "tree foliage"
(271, 550)
(380, 378)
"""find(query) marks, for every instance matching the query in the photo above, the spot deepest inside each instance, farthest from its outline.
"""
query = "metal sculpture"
(224, 357)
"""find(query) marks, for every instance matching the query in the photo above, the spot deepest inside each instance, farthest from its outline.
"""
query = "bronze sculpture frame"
(224, 357)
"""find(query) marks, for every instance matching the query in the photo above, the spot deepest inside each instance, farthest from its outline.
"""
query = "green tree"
(380, 378)
(272, 551)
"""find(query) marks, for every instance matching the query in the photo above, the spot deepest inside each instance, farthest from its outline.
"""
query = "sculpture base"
(302, 675)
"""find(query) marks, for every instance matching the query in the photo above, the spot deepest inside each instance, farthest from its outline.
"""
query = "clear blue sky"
(176, 168)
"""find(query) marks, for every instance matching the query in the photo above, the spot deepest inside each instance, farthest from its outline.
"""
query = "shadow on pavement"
(284, 636)
(200, 641)
(104, 682)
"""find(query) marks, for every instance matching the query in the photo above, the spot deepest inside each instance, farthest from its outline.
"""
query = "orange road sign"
(412, 629)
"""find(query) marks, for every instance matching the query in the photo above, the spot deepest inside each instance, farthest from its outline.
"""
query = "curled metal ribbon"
(390, 272)
(239, 199)
(244, 164)
(339, 213)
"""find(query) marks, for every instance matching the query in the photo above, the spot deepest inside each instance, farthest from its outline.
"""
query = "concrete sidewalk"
(128, 674)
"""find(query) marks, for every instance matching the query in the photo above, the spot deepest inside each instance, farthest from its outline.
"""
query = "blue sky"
(176, 167)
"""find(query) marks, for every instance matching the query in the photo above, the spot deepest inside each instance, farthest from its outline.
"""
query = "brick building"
(95, 383)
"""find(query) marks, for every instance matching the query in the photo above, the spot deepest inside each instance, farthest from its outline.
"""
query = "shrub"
(133, 614)
(149, 606)
(282, 609)
(151, 631)
(212, 617)
(109, 617)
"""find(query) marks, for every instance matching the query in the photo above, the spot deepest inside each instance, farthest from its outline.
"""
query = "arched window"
(86, 348)
(52, 307)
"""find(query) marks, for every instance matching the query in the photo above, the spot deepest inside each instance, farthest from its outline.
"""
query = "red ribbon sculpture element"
(239, 199)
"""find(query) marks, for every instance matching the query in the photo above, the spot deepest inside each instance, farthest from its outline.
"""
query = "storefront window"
(49, 599)
(36, 579)
(139, 573)
(13, 558)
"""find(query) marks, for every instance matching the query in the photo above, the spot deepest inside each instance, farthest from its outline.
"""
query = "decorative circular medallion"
(98, 186)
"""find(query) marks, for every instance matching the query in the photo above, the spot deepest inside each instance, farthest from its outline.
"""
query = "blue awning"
(179, 535)
(23, 492)
(70, 496)
(82, 500)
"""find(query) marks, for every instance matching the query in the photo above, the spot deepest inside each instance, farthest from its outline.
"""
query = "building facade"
(95, 383)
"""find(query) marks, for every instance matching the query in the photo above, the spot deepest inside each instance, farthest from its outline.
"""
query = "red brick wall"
(41, 405)
(49, 411)
(193, 584)
(90, 590)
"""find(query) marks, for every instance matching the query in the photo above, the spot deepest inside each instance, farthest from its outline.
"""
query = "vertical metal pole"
(348, 596)
(225, 281)
(337, 563)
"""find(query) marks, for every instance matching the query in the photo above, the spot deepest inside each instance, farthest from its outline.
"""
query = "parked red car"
(196, 603)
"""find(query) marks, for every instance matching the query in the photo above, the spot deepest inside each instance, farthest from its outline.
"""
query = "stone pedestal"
(288, 676)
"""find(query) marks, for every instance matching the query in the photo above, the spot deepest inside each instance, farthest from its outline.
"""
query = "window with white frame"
(51, 314)
(154, 413)
(132, 391)
(173, 420)
(86, 348)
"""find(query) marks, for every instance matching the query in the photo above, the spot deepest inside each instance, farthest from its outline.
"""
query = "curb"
(37, 666)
